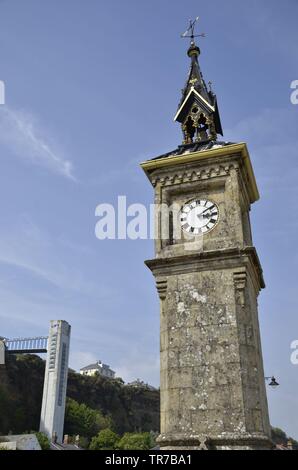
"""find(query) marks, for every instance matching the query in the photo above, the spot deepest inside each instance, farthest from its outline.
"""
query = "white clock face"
(199, 216)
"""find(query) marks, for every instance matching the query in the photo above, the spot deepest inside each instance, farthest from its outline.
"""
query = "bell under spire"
(197, 110)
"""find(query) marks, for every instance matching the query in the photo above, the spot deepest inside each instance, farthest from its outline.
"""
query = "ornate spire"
(195, 78)
(197, 110)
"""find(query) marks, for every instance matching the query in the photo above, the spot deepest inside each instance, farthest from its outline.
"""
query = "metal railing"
(37, 344)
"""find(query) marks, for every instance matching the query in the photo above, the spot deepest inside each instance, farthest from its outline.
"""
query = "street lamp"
(273, 383)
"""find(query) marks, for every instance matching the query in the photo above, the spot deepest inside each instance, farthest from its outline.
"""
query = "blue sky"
(91, 91)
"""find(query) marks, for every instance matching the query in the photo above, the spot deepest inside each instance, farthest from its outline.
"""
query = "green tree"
(43, 440)
(294, 443)
(84, 442)
(278, 436)
(105, 440)
(82, 420)
(136, 441)
(5, 410)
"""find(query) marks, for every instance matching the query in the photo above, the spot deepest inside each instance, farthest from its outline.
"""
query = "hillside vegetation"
(96, 407)
(128, 409)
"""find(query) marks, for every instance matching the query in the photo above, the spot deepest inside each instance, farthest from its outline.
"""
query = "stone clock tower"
(208, 277)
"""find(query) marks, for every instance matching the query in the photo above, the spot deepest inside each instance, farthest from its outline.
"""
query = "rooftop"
(96, 365)
(194, 147)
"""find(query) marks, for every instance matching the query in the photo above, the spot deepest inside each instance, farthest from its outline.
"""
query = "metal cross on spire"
(189, 33)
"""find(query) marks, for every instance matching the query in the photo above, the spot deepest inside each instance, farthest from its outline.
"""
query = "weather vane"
(189, 33)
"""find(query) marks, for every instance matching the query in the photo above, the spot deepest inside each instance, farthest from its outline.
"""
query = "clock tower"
(208, 277)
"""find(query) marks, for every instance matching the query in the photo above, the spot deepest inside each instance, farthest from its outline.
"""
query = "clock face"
(199, 216)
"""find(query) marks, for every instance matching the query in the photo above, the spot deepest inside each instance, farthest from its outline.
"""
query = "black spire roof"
(198, 104)
(195, 76)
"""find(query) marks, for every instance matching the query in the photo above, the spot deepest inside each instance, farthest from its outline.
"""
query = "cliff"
(21, 384)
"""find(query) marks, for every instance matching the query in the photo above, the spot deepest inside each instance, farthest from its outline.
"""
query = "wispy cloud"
(129, 170)
(80, 359)
(269, 126)
(24, 136)
(31, 249)
(141, 366)
(269, 20)
(24, 312)
(272, 138)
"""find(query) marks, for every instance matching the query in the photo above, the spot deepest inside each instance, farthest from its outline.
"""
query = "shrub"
(43, 440)
(135, 441)
(82, 420)
(105, 440)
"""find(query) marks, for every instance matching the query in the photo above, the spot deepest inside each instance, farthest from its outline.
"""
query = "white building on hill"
(98, 368)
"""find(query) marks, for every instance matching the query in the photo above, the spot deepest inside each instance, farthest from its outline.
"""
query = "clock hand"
(208, 209)
(202, 213)
(204, 216)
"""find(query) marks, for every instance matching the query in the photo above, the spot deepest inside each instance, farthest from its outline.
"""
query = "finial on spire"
(194, 50)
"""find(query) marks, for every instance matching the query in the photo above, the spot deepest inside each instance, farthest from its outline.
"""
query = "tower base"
(225, 441)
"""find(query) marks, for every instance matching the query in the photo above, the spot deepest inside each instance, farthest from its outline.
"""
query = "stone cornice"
(168, 177)
(188, 158)
(232, 258)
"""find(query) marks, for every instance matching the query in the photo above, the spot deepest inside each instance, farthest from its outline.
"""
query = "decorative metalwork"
(189, 33)
(198, 127)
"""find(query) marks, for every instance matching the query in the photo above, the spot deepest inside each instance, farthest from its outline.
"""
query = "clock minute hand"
(208, 209)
